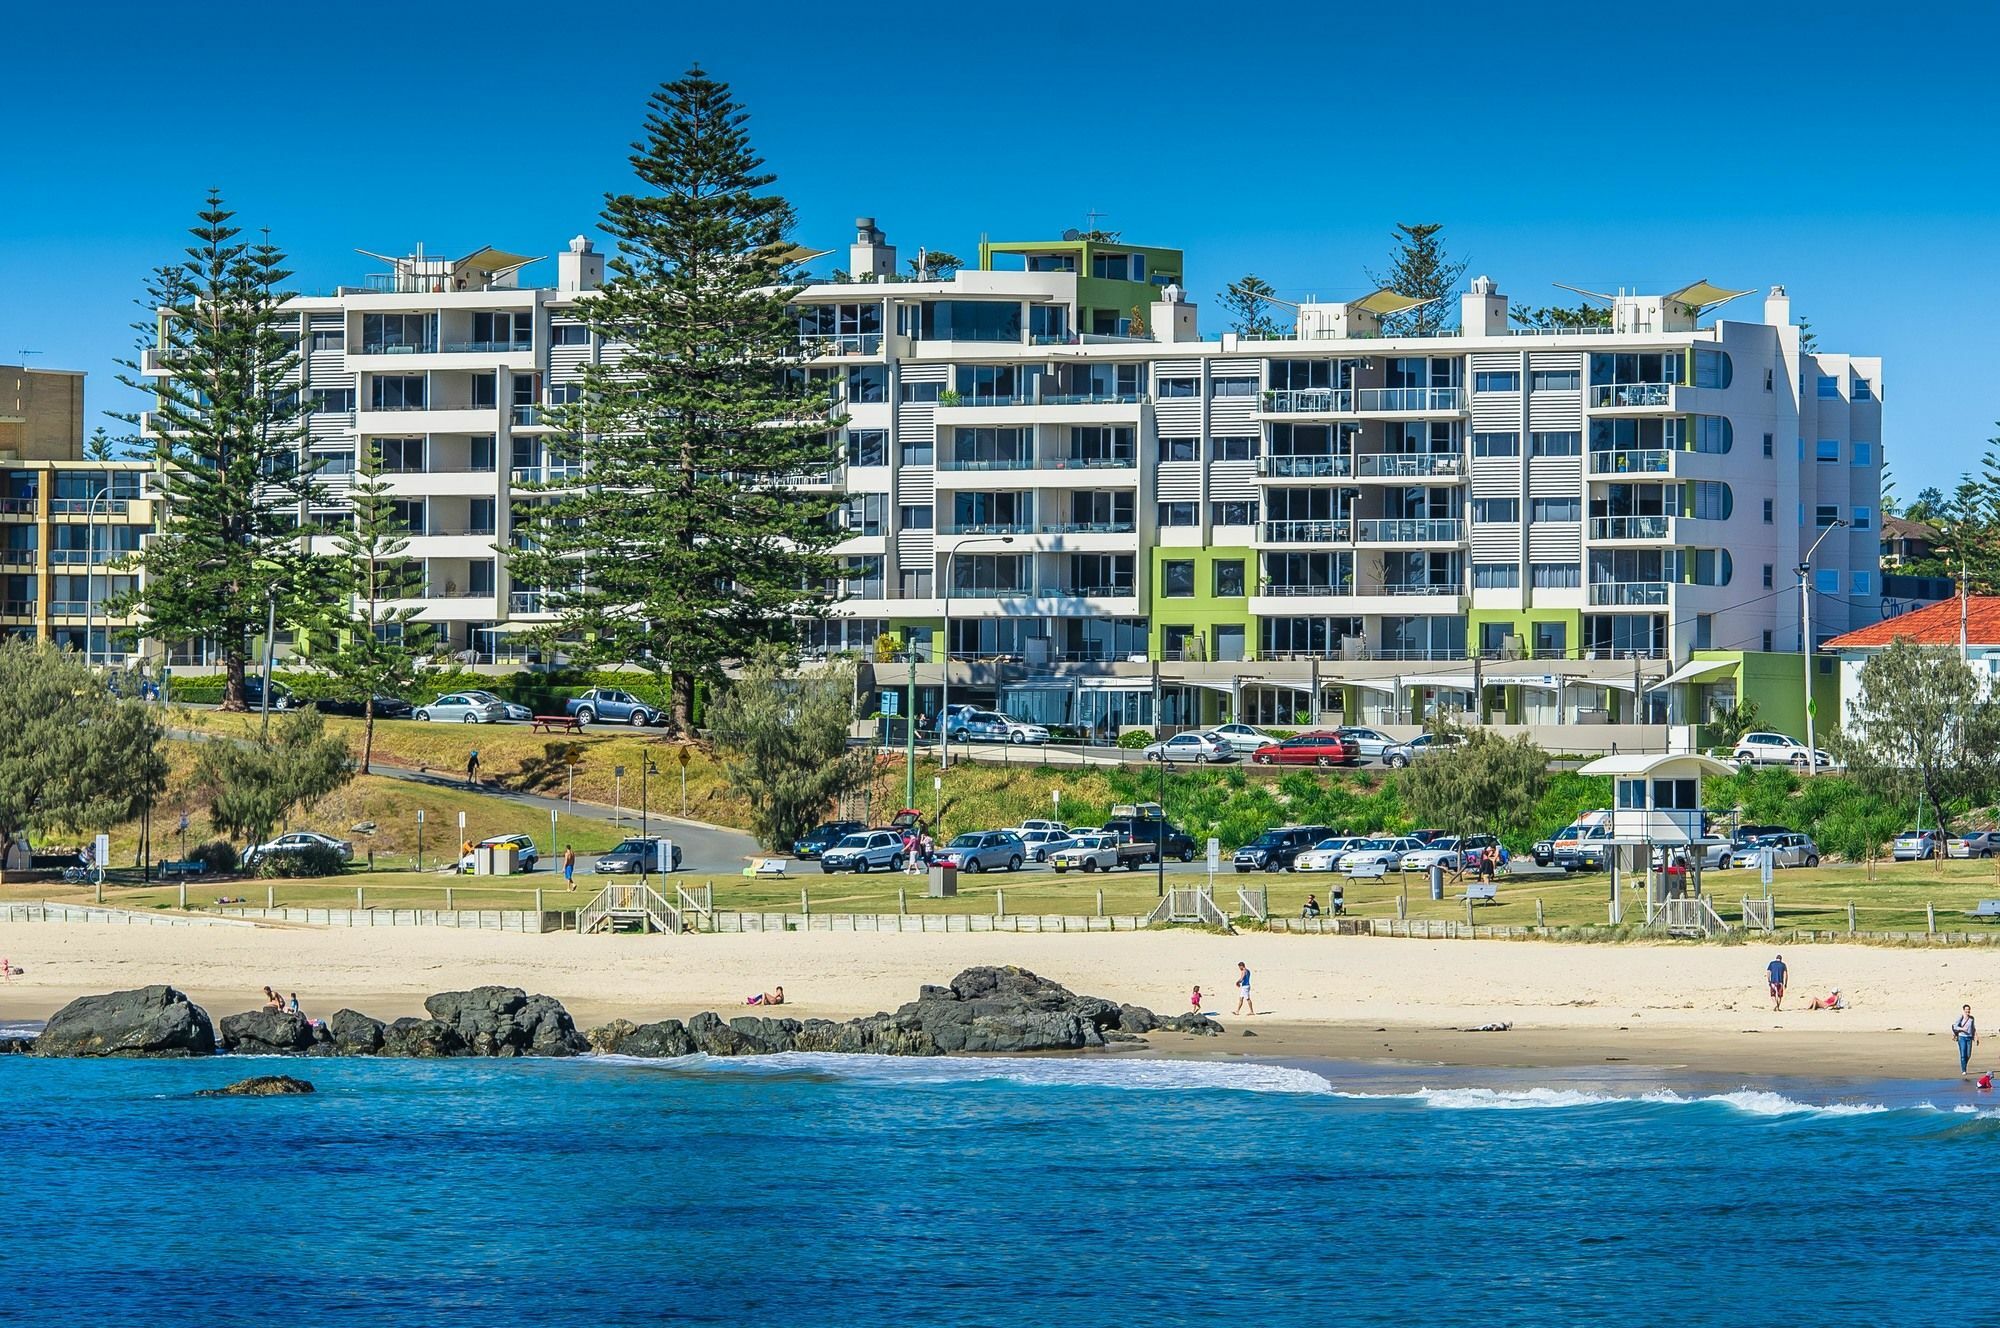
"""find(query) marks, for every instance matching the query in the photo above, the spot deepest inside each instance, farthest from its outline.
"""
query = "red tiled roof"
(1932, 625)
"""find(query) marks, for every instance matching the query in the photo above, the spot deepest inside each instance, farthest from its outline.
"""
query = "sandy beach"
(1699, 1007)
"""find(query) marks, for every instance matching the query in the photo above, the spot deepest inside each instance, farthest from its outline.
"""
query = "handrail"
(1611, 396)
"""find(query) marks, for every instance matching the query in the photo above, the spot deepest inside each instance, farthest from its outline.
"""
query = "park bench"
(555, 724)
(1988, 908)
(1376, 868)
(1482, 892)
(767, 867)
(183, 867)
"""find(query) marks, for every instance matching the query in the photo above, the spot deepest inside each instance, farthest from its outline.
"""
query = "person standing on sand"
(1966, 1030)
(1243, 1000)
(1777, 973)
(569, 865)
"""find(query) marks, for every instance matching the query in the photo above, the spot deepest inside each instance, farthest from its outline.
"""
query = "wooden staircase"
(632, 907)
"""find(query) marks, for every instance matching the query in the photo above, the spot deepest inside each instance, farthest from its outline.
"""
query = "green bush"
(311, 860)
(1133, 740)
(217, 857)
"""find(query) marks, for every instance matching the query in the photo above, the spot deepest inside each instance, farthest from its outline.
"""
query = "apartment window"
(1180, 387)
(1864, 518)
(407, 514)
(1177, 578)
(329, 338)
(1712, 368)
(914, 517)
(1180, 449)
(1862, 390)
(400, 456)
(1234, 449)
(1828, 449)
(485, 391)
(568, 334)
(918, 452)
(1829, 388)
(1712, 500)
(480, 453)
(1704, 637)
(1233, 513)
(867, 447)
(1496, 509)
(1555, 576)
(1496, 576)
(1233, 387)
(1827, 581)
(562, 394)
(1558, 443)
(1767, 576)
(1496, 444)
(1556, 509)
(1770, 380)
(333, 401)
(925, 392)
(398, 334)
(868, 384)
(1769, 512)
(1555, 380)
(970, 320)
(1711, 434)
(1861, 454)
(1229, 578)
(509, 330)
(1768, 440)
(1507, 381)
(1767, 632)
(397, 392)
(1826, 514)
(1864, 583)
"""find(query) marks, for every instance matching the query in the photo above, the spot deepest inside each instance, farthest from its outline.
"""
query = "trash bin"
(1437, 880)
(506, 859)
(944, 882)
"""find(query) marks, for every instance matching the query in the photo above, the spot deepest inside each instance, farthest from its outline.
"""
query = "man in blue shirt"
(1778, 973)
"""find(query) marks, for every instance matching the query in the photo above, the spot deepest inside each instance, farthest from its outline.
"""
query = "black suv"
(821, 838)
(1173, 841)
(1275, 850)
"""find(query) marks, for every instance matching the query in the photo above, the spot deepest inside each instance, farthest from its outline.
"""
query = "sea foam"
(1060, 1072)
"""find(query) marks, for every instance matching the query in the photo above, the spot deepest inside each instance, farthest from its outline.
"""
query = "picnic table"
(555, 724)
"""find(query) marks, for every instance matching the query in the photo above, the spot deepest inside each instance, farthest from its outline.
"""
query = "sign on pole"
(420, 817)
(1214, 859)
(103, 850)
(1764, 863)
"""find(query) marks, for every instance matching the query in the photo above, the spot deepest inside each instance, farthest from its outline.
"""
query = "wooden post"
(1540, 923)
(1468, 908)
(999, 903)
(902, 901)
(184, 894)
(1850, 917)
(100, 891)
(1100, 903)
(1930, 918)
(805, 905)
(447, 899)
(357, 898)
(1403, 905)
(538, 899)
(270, 896)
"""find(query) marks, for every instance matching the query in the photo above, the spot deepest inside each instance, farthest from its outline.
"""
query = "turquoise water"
(856, 1191)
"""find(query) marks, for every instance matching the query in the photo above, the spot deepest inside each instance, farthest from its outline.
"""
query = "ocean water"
(858, 1191)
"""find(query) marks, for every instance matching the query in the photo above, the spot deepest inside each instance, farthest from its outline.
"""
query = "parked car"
(526, 854)
(1385, 850)
(1589, 850)
(1914, 846)
(1277, 848)
(865, 850)
(463, 707)
(1370, 742)
(1471, 846)
(1787, 850)
(1424, 744)
(823, 837)
(1241, 737)
(515, 710)
(1200, 748)
(1040, 823)
(984, 850)
(295, 841)
(633, 856)
(1443, 851)
(1041, 843)
(1322, 856)
(610, 703)
(1545, 849)
(1972, 844)
(1169, 838)
(1711, 857)
(1323, 749)
(1101, 852)
(386, 707)
(992, 726)
(253, 693)
(1777, 749)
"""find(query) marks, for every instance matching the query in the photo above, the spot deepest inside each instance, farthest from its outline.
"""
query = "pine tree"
(229, 433)
(677, 545)
(1421, 269)
(1248, 303)
(361, 645)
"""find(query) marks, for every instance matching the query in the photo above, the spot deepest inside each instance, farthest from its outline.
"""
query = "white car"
(466, 708)
(1200, 748)
(1388, 852)
(526, 853)
(1040, 823)
(1401, 754)
(1322, 857)
(296, 840)
(1443, 850)
(1372, 742)
(1241, 737)
(515, 710)
(1777, 749)
(1041, 843)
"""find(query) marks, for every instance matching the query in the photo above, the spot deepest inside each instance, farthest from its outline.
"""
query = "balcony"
(1090, 528)
(1305, 532)
(557, 474)
(1287, 590)
(1632, 396)
(530, 601)
(526, 417)
(22, 506)
(1409, 531)
(486, 530)
(89, 506)
(73, 608)
(1630, 527)
(17, 608)
(1018, 461)
(1305, 467)
(1629, 594)
(1309, 401)
(17, 557)
(488, 347)
(1646, 461)
(841, 343)
(982, 528)
(1409, 400)
(1412, 466)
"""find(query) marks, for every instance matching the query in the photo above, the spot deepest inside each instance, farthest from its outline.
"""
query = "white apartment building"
(1054, 478)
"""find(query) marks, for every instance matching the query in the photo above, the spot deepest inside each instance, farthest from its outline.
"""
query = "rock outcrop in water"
(263, 1085)
(983, 1010)
(151, 1022)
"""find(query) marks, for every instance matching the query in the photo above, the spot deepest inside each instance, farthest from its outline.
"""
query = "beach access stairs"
(1188, 904)
(637, 906)
(1688, 916)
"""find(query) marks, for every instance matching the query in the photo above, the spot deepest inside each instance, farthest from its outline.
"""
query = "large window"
(1232, 387)
(1556, 509)
(1496, 444)
(1180, 449)
(1557, 443)
(1178, 514)
(1233, 449)
(1711, 433)
(867, 447)
(1712, 500)
(1233, 513)
(1554, 380)
(508, 330)
(1556, 576)
(568, 334)
(1177, 578)
(1496, 576)
(1180, 387)
(1496, 509)
(1826, 514)
(396, 392)
(1636, 367)
(970, 320)
(1507, 381)
(1229, 578)
(398, 334)
(1712, 367)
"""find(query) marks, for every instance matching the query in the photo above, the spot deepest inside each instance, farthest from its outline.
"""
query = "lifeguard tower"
(1660, 836)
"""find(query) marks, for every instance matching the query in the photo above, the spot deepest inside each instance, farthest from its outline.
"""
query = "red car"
(1309, 749)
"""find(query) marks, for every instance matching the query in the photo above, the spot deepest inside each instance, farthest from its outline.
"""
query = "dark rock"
(264, 1085)
(352, 1033)
(506, 1021)
(766, 1034)
(267, 1033)
(715, 1038)
(422, 1038)
(1137, 1019)
(149, 1022)
(1248, 1033)
(1199, 1024)
(17, 1046)
(659, 1041)
(896, 1034)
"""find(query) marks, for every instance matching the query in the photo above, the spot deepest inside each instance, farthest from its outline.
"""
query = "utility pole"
(910, 736)
(270, 652)
(1805, 638)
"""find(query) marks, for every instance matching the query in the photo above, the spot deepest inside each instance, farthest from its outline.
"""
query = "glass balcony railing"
(17, 557)
(983, 528)
(1629, 593)
(89, 506)
(1305, 532)
(1309, 401)
(1410, 531)
(1305, 467)
(1090, 527)
(487, 347)
(1611, 396)
(1017, 461)
(1289, 589)
(1389, 465)
(425, 347)
(557, 474)
(841, 343)
(526, 417)
(1410, 400)
(1630, 527)
(529, 601)
(17, 608)
(22, 506)
(1643, 461)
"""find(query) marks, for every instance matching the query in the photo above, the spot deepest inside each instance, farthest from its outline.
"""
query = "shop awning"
(1693, 669)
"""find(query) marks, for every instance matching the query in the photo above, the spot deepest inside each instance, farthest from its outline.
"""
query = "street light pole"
(270, 651)
(1805, 638)
(944, 687)
(90, 576)
(910, 736)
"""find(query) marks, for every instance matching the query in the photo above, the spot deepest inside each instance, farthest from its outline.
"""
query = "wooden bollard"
(357, 898)
(1850, 917)
(1930, 918)
(902, 901)
(1541, 923)
(538, 899)
(184, 894)
(270, 896)
(447, 899)
(1100, 903)
(999, 903)
(805, 905)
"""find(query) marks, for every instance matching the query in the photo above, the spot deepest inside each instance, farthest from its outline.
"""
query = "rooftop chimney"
(579, 268)
(871, 257)
(1173, 315)
(1778, 307)
(1482, 310)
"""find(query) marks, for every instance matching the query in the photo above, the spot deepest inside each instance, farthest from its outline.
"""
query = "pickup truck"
(1153, 830)
(1101, 853)
(609, 703)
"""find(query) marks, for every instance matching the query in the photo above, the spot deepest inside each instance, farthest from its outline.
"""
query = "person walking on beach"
(472, 768)
(1777, 973)
(569, 865)
(1966, 1030)
(1243, 1000)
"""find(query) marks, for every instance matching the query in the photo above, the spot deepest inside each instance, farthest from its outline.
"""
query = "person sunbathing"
(768, 998)
(1833, 1000)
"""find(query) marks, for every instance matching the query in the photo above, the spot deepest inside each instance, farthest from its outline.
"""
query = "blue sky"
(1842, 150)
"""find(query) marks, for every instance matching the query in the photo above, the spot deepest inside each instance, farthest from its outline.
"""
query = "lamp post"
(270, 651)
(910, 736)
(944, 688)
(1805, 638)
(90, 575)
